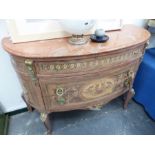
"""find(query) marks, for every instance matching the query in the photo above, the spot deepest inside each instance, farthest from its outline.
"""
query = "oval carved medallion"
(98, 88)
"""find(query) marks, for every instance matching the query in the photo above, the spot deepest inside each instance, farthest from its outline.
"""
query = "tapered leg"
(30, 109)
(129, 95)
(46, 120)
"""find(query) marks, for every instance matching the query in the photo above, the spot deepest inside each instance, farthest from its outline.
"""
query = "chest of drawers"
(57, 76)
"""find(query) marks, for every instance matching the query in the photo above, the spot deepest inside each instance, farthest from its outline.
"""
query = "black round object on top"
(103, 39)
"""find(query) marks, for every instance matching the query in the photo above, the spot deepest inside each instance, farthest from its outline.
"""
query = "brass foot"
(96, 107)
(46, 120)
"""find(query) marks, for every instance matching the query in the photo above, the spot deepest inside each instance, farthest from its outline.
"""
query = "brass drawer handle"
(128, 81)
(60, 93)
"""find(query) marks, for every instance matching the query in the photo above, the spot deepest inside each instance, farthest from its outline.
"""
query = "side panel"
(31, 87)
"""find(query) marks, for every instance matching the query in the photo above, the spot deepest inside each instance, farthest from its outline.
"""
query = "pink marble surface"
(128, 36)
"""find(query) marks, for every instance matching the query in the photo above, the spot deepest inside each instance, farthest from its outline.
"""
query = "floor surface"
(112, 119)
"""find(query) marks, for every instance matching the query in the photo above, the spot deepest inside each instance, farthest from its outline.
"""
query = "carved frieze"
(82, 65)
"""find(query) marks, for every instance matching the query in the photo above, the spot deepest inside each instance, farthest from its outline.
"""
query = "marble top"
(128, 36)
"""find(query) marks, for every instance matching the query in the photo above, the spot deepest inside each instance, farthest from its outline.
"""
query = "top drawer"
(76, 65)
(88, 64)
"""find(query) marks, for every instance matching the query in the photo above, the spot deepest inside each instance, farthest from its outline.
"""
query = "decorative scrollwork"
(129, 79)
(29, 64)
(91, 64)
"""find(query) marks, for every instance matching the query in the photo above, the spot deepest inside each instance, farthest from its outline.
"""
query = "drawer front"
(88, 64)
(71, 92)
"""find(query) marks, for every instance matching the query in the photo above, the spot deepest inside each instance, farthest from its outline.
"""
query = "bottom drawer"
(68, 93)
